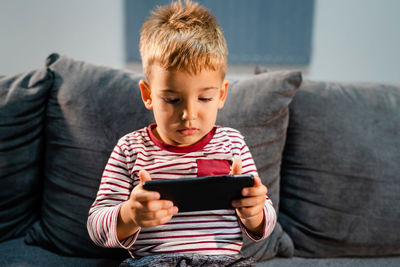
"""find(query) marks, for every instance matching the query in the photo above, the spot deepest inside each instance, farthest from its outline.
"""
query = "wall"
(353, 40)
(90, 30)
(356, 40)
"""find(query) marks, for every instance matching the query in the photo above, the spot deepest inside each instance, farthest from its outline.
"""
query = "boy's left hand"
(250, 208)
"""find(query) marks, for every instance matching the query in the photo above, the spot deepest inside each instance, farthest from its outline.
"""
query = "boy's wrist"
(255, 225)
(125, 225)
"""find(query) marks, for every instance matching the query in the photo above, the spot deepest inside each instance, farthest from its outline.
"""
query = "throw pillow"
(90, 107)
(23, 100)
(340, 175)
(258, 108)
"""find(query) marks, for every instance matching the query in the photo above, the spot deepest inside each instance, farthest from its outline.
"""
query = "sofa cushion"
(16, 253)
(258, 108)
(340, 189)
(23, 100)
(91, 106)
(332, 262)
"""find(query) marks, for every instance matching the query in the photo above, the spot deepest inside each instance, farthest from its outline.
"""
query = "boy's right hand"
(143, 209)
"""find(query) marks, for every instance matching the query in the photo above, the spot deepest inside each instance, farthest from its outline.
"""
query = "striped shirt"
(203, 232)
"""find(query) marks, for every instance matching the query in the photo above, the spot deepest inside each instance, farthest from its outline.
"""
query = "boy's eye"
(205, 99)
(171, 100)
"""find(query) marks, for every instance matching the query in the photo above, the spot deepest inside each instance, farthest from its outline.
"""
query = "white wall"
(90, 30)
(353, 40)
(356, 40)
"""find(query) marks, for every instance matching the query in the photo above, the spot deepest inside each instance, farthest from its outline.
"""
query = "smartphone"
(202, 193)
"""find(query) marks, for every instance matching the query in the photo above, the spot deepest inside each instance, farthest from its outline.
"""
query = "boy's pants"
(186, 260)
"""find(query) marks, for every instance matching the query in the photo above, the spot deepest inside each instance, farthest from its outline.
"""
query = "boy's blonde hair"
(184, 37)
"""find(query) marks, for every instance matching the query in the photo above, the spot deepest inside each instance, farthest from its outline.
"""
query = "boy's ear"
(223, 93)
(146, 94)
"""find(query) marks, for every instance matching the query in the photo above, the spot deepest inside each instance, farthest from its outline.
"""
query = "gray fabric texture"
(23, 100)
(190, 260)
(340, 190)
(258, 108)
(331, 262)
(89, 108)
(15, 253)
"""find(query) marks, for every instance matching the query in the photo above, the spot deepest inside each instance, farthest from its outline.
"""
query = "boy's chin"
(183, 143)
(187, 140)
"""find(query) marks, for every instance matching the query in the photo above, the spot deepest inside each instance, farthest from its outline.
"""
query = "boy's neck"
(155, 137)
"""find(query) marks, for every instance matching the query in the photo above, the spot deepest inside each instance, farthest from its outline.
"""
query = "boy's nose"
(189, 112)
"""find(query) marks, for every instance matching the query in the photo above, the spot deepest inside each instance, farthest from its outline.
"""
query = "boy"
(184, 60)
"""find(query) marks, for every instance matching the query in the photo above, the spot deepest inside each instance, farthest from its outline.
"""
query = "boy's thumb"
(237, 166)
(144, 176)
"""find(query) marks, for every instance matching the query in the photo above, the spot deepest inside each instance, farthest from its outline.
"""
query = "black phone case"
(202, 193)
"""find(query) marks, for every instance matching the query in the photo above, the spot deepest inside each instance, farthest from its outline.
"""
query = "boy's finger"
(237, 166)
(157, 205)
(254, 191)
(155, 222)
(159, 214)
(248, 212)
(144, 176)
(257, 181)
(248, 202)
(257, 189)
(144, 196)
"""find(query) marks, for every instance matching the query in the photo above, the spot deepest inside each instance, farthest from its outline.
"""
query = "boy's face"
(185, 106)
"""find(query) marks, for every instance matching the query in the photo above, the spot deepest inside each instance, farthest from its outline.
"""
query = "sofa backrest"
(88, 107)
(337, 196)
(341, 170)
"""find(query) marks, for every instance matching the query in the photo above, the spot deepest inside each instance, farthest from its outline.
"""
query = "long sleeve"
(114, 189)
(248, 166)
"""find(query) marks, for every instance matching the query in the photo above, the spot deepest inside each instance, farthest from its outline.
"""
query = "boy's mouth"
(188, 131)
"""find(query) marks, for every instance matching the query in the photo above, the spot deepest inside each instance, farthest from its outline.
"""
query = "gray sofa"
(329, 153)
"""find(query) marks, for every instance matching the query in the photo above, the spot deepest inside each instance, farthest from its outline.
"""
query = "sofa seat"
(15, 252)
(331, 262)
(36, 256)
